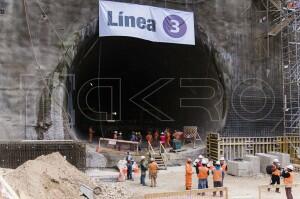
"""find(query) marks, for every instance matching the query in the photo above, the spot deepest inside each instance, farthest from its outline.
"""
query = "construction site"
(150, 99)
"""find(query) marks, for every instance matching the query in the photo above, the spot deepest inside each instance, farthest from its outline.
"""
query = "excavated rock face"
(40, 85)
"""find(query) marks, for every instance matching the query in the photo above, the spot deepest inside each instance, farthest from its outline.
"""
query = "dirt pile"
(52, 177)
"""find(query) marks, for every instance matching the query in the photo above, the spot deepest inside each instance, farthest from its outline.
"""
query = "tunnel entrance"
(129, 84)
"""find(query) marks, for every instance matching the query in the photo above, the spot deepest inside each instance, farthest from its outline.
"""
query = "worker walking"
(218, 174)
(288, 176)
(203, 175)
(143, 166)
(153, 170)
(276, 171)
(188, 174)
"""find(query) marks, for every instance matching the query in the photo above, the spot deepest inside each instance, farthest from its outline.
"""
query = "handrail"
(150, 149)
(161, 146)
(115, 141)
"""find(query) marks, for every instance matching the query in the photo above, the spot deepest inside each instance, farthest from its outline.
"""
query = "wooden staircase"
(160, 161)
(158, 156)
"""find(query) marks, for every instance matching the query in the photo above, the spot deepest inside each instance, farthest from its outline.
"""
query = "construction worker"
(198, 163)
(218, 174)
(153, 170)
(149, 137)
(276, 171)
(224, 167)
(288, 176)
(188, 174)
(129, 170)
(143, 166)
(203, 175)
(91, 134)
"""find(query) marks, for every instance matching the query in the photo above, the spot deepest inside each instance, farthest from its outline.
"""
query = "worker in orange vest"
(153, 170)
(203, 175)
(288, 176)
(149, 137)
(188, 174)
(276, 172)
(218, 174)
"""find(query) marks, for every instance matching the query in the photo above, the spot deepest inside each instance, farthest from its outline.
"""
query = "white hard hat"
(204, 161)
(151, 159)
(197, 160)
(275, 160)
(218, 163)
(200, 157)
(291, 167)
(143, 157)
(222, 159)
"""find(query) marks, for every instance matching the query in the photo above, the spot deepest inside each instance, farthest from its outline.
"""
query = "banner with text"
(146, 22)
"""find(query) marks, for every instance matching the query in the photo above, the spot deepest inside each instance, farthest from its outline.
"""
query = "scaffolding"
(290, 38)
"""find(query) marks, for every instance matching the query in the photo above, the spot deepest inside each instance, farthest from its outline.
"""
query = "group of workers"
(286, 173)
(203, 168)
(152, 167)
(144, 166)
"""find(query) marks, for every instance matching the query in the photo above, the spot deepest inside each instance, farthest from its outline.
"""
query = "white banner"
(146, 22)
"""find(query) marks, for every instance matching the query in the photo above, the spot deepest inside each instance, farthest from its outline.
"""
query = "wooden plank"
(278, 27)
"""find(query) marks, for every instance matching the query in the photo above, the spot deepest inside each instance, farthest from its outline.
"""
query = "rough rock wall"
(45, 25)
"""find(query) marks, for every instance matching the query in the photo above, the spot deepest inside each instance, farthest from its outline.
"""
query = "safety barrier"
(118, 144)
(263, 191)
(192, 194)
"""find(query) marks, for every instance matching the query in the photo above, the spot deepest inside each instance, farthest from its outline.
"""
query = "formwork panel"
(13, 154)
(237, 147)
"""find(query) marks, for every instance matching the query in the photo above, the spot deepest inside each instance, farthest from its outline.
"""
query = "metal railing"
(115, 142)
(150, 149)
(192, 194)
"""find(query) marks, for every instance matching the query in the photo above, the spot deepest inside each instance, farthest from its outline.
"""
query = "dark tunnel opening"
(129, 84)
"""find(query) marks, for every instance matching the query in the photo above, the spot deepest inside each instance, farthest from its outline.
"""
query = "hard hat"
(151, 159)
(200, 157)
(275, 160)
(222, 159)
(143, 157)
(218, 163)
(290, 167)
(204, 161)
(197, 160)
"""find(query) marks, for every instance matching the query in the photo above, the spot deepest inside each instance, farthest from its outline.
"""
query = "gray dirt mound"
(52, 177)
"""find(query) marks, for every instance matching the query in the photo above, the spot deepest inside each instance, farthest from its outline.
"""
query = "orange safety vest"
(217, 175)
(153, 168)
(203, 173)
(276, 172)
(290, 180)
